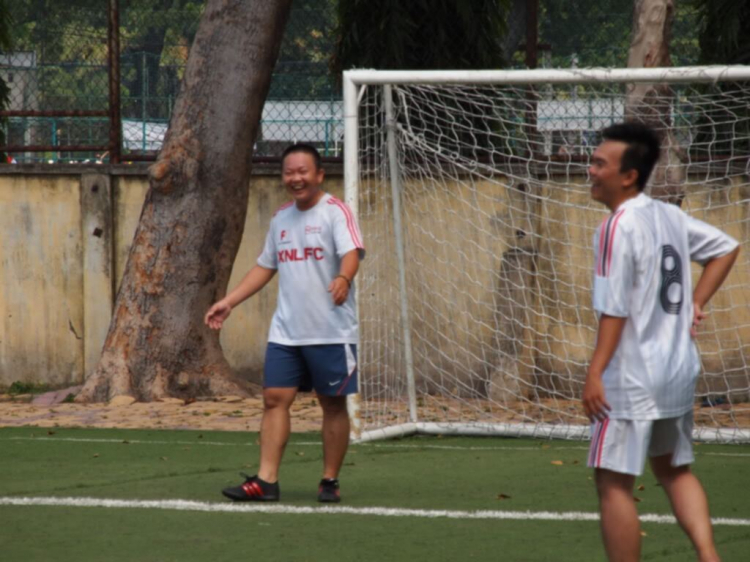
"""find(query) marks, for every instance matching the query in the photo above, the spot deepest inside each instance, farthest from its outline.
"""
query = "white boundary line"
(184, 505)
(697, 451)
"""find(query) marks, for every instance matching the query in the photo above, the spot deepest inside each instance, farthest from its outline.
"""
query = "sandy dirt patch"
(224, 414)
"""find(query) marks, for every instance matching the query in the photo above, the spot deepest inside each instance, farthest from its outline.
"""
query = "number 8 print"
(670, 293)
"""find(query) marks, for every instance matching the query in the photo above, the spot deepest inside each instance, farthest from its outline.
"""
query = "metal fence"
(81, 92)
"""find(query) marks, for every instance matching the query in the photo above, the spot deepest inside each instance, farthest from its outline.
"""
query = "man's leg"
(621, 528)
(689, 504)
(335, 433)
(274, 430)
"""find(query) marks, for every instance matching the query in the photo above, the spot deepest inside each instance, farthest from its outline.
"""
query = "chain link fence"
(60, 102)
(61, 107)
(58, 80)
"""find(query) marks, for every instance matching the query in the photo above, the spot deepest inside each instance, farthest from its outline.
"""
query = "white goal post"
(471, 189)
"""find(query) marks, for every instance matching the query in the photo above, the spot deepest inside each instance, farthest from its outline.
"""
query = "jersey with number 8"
(642, 256)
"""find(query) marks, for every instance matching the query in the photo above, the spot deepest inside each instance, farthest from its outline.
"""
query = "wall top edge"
(135, 169)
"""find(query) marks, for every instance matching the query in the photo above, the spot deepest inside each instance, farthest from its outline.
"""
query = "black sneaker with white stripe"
(253, 490)
(328, 491)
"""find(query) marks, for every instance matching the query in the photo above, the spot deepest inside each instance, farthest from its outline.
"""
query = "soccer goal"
(472, 192)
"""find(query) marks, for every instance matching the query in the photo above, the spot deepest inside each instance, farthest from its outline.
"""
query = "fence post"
(115, 121)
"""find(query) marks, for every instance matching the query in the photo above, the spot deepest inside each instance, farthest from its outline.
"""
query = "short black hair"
(643, 148)
(302, 147)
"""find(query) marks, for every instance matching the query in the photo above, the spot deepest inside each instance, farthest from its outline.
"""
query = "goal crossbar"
(677, 74)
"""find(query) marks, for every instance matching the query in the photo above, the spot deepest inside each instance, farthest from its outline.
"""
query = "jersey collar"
(638, 201)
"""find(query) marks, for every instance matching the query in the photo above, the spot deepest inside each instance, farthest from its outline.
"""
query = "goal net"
(472, 193)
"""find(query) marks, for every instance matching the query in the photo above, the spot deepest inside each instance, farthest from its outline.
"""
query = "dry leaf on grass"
(503, 497)
(558, 463)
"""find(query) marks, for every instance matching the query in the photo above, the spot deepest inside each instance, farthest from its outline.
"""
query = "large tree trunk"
(651, 103)
(192, 220)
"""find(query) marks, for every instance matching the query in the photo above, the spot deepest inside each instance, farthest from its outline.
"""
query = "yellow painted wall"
(41, 284)
(458, 307)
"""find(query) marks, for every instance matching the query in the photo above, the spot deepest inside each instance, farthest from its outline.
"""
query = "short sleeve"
(707, 242)
(267, 257)
(614, 269)
(346, 234)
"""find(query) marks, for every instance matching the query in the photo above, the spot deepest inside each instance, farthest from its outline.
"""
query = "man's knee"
(274, 398)
(333, 405)
(662, 468)
(608, 482)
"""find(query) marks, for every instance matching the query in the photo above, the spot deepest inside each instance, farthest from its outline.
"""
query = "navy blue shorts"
(330, 369)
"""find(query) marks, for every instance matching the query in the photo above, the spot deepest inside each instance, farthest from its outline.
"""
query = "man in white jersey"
(640, 385)
(315, 245)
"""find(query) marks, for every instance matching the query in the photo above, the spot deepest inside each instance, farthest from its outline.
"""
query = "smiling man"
(315, 245)
(640, 384)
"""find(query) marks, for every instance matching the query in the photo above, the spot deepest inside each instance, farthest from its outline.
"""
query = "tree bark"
(651, 103)
(193, 217)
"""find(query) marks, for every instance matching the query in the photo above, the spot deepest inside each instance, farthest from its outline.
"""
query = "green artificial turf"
(425, 473)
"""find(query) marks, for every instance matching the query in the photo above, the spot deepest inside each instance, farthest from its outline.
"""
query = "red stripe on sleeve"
(351, 224)
(612, 239)
(602, 231)
(284, 206)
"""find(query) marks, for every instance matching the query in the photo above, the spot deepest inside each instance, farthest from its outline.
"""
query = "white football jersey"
(642, 255)
(306, 248)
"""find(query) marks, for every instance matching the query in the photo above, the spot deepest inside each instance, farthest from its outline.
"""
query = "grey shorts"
(623, 445)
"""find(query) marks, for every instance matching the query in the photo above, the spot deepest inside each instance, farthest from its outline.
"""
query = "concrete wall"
(66, 233)
(498, 275)
(41, 305)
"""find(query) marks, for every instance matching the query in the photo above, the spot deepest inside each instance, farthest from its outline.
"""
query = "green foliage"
(155, 41)
(420, 34)
(607, 25)
(428, 35)
(6, 45)
(69, 40)
(66, 29)
(724, 31)
(598, 32)
(20, 387)
(301, 72)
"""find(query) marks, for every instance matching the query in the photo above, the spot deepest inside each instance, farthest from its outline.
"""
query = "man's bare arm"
(257, 278)
(342, 283)
(608, 338)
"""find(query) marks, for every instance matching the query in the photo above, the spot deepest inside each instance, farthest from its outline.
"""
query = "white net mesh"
(497, 225)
